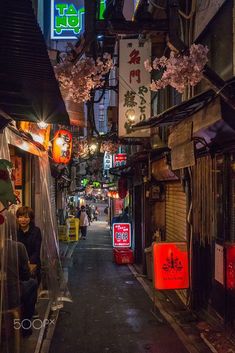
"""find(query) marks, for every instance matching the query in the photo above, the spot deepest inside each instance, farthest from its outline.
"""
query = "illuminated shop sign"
(230, 266)
(119, 160)
(170, 264)
(134, 83)
(121, 235)
(101, 9)
(108, 161)
(67, 19)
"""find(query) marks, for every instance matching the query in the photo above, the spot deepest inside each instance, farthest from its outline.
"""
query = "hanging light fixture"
(155, 139)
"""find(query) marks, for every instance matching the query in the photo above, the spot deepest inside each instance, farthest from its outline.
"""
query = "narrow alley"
(110, 312)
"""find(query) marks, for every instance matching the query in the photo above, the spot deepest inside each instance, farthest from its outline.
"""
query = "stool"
(15, 313)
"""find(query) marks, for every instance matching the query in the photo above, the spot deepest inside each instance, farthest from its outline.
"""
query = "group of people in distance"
(23, 267)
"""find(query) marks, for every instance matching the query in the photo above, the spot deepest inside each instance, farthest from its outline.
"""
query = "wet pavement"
(110, 312)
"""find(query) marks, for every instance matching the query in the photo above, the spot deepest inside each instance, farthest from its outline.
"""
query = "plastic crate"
(123, 256)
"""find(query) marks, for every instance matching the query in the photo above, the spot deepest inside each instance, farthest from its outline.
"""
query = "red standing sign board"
(170, 262)
(230, 266)
(121, 235)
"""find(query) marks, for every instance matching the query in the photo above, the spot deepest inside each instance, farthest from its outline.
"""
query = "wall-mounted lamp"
(42, 124)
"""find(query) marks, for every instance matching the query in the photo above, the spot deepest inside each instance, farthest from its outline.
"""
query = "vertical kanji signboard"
(170, 266)
(134, 83)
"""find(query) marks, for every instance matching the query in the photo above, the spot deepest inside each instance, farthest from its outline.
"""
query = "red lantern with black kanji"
(62, 147)
(122, 187)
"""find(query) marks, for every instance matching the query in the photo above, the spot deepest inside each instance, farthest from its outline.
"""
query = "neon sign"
(67, 19)
(101, 9)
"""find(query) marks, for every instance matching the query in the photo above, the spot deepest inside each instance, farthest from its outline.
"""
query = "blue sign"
(67, 19)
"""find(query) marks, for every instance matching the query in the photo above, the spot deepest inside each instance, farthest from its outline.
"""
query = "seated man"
(20, 289)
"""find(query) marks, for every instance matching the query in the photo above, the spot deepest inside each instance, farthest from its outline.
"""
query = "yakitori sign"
(134, 83)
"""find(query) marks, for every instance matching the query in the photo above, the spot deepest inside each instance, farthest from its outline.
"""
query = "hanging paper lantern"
(62, 147)
(122, 187)
(113, 194)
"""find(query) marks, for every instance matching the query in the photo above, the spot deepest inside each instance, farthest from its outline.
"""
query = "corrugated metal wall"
(175, 212)
(176, 219)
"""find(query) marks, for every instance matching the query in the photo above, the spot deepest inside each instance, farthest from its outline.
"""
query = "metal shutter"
(175, 212)
(176, 220)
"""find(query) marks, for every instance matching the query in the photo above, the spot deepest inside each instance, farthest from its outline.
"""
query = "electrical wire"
(192, 12)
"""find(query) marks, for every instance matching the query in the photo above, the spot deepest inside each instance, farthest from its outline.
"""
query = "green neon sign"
(102, 8)
(66, 19)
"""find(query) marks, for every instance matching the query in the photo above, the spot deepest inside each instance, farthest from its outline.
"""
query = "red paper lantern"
(122, 187)
(113, 194)
(62, 147)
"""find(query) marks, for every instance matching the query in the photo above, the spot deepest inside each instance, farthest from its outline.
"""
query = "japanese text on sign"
(62, 147)
(108, 161)
(121, 235)
(66, 19)
(120, 159)
(134, 81)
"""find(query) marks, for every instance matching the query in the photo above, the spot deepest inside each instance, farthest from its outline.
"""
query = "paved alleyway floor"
(110, 312)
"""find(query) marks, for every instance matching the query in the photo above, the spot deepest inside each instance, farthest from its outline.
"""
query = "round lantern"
(62, 147)
(113, 194)
(122, 187)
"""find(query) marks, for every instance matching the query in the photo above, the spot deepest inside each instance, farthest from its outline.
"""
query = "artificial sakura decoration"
(7, 195)
(80, 148)
(109, 147)
(78, 79)
(179, 70)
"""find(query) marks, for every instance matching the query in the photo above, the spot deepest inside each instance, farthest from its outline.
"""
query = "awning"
(15, 138)
(178, 113)
(28, 87)
(4, 120)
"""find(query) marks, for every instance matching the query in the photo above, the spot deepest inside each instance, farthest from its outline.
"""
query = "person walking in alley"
(88, 211)
(96, 214)
(84, 222)
(124, 217)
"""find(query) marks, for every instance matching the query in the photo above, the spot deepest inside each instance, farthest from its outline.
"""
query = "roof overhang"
(28, 87)
(178, 113)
